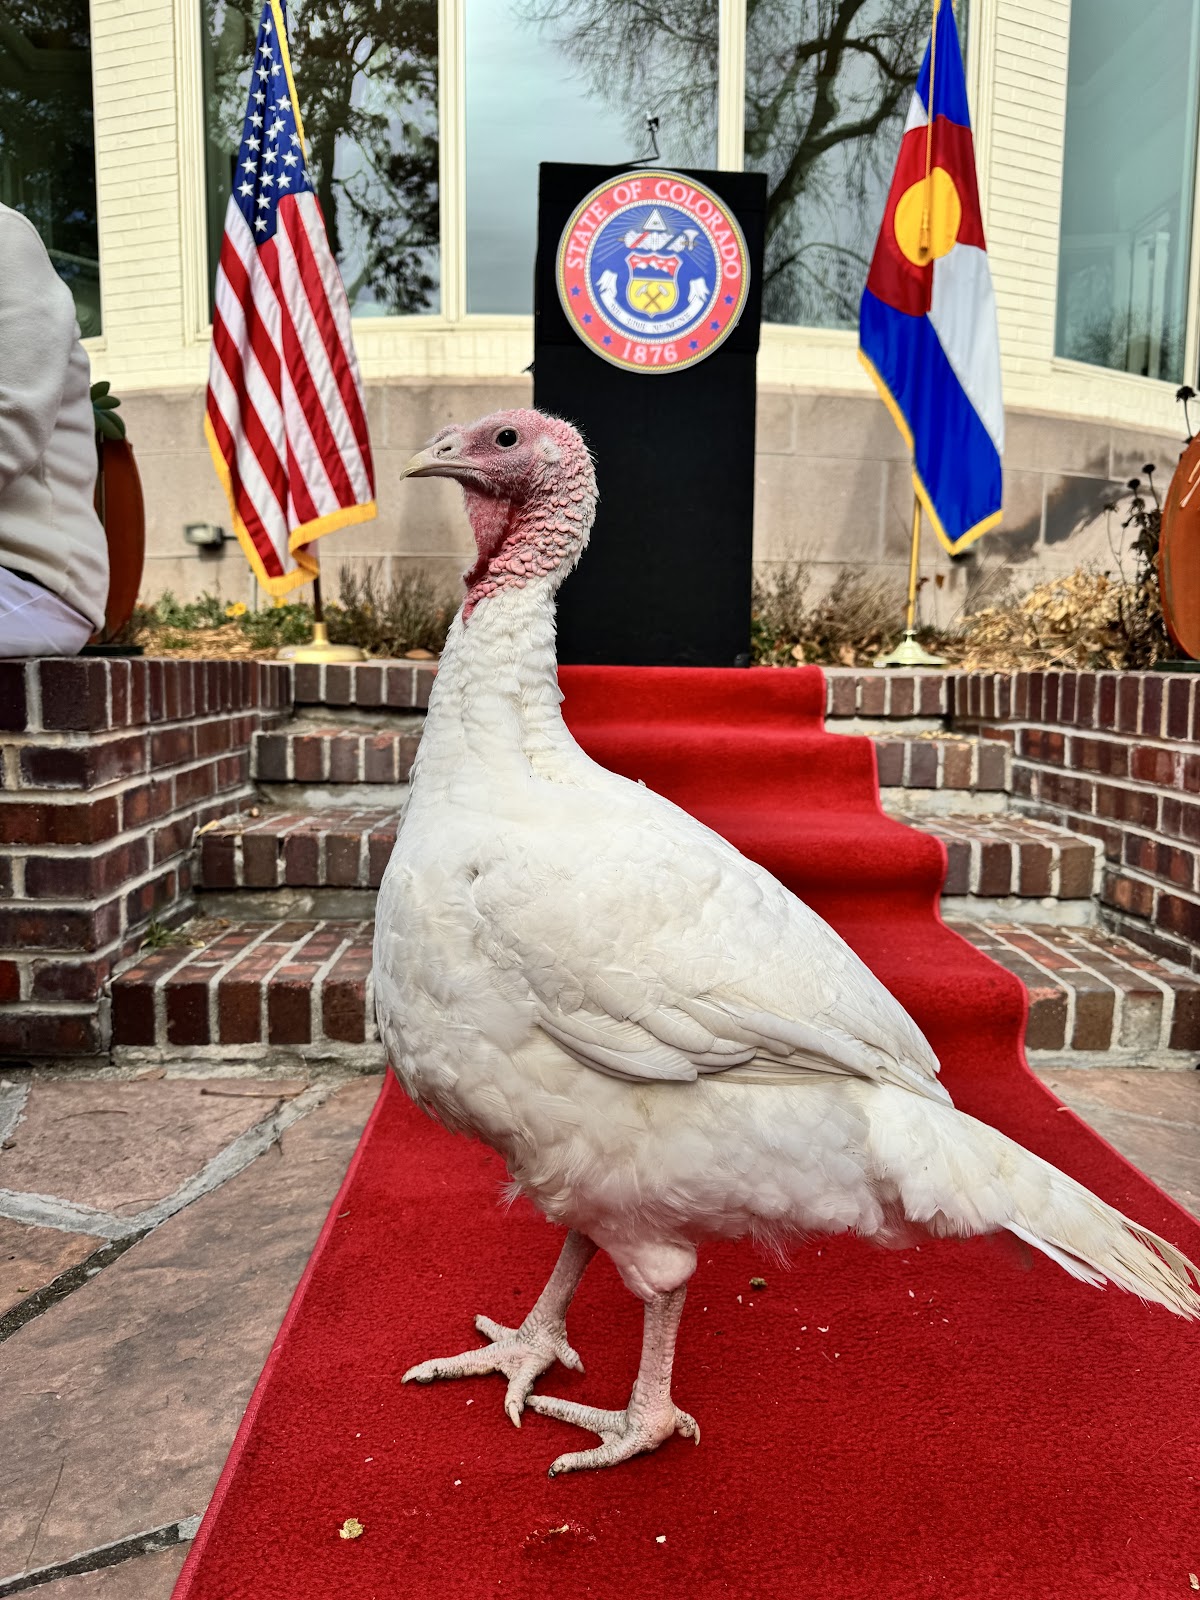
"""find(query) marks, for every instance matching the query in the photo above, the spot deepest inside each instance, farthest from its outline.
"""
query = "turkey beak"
(441, 459)
(422, 465)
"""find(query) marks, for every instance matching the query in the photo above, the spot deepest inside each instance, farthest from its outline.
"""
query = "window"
(47, 148)
(572, 80)
(1128, 178)
(828, 86)
(366, 76)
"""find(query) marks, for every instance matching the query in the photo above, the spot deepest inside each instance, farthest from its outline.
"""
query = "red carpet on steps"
(931, 1423)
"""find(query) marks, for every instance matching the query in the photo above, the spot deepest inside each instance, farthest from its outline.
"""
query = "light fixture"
(207, 535)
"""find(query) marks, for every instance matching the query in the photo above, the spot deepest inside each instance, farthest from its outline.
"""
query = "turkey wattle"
(660, 1040)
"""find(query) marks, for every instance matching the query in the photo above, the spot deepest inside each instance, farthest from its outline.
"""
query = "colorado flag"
(927, 326)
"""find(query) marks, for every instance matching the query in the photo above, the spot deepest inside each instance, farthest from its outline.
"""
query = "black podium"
(666, 578)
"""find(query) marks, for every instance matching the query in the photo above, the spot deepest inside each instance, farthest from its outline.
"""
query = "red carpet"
(932, 1423)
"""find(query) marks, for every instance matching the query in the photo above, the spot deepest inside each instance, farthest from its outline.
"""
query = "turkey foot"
(522, 1354)
(623, 1434)
(651, 1415)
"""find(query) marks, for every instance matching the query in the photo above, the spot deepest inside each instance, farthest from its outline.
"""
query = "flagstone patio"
(152, 1230)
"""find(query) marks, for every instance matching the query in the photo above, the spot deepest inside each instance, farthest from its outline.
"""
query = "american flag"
(285, 419)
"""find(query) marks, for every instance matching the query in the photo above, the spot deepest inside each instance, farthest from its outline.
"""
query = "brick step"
(993, 857)
(280, 849)
(346, 848)
(382, 751)
(1093, 992)
(942, 761)
(302, 987)
(315, 752)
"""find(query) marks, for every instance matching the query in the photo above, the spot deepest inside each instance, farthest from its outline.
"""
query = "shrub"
(860, 617)
(277, 625)
(413, 612)
(1086, 618)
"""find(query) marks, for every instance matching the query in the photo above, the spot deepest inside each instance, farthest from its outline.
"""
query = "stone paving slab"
(120, 1402)
(1153, 1119)
(143, 1578)
(30, 1258)
(119, 1147)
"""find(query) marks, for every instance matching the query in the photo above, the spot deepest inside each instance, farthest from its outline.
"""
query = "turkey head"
(530, 493)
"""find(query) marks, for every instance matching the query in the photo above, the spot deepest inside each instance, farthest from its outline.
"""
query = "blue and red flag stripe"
(927, 324)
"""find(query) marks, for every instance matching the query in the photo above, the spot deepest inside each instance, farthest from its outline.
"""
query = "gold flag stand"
(320, 650)
(908, 653)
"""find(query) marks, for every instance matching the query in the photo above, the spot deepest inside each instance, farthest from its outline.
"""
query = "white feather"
(660, 1039)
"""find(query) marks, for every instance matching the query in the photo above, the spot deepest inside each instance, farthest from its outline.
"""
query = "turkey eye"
(506, 438)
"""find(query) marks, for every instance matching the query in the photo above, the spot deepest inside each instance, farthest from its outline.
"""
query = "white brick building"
(468, 94)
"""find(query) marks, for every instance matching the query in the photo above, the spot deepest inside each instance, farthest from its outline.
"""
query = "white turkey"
(660, 1040)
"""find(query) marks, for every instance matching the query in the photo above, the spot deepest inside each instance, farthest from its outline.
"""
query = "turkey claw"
(521, 1354)
(623, 1434)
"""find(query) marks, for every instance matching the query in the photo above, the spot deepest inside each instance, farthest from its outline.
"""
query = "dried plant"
(413, 612)
(860, 616)
(1140, 603)
(1086, 618)
(1069, 621)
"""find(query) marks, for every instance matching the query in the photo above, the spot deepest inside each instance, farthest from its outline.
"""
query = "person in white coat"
(53, 553)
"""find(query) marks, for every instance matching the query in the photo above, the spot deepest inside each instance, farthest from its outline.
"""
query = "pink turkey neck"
(518, 543)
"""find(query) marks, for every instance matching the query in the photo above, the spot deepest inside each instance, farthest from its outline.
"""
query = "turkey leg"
(523, 1354)
(651, 1415)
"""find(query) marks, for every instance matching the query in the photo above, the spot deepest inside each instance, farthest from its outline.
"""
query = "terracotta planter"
(120, 508)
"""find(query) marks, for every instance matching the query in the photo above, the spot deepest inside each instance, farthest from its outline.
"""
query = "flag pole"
(320, 650)
(908, 653)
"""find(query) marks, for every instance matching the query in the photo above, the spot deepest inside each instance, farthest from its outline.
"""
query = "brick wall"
(1115, 756)
(107, 769)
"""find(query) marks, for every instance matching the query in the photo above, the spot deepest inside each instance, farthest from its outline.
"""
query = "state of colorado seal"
(653, 271)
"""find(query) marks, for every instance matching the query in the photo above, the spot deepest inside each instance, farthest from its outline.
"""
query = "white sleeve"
(37, 330)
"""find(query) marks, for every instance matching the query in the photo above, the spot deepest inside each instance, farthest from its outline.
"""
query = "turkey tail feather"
(955, 1175)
